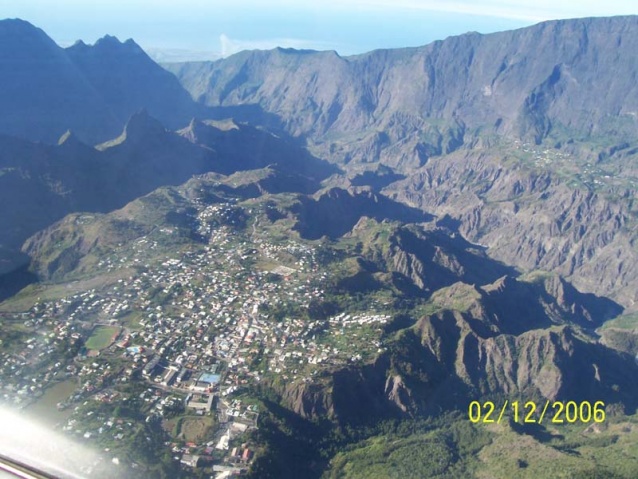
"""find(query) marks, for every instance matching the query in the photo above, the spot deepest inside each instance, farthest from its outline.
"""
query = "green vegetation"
(536, 276)
(101, 337)
(14, 334)
(440, 447)
(382, 457)
(38, 292)
(190, 428)
(621, 333)
(325, 307)
(625, 322)
(449, 447)
(458, 297)
(607, 450)
(446, 452)
(132, 320)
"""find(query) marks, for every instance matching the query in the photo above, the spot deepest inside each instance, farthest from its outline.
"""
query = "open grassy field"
(34, 293)
(626, 322)
(190, 428)
(102, 337)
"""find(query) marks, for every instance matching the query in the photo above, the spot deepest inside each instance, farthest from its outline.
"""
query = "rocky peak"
(195, 131)
(499, 285)
(141, 127)
(107, 45)
(142, 124)
(210, 133)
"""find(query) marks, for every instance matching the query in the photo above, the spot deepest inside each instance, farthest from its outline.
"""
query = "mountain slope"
(128, 80)
(536, 217)
(467, 329)
(92, 90)
(42, 92)
(525, 140)
(377, 326)
(573, 75)
(42, 183)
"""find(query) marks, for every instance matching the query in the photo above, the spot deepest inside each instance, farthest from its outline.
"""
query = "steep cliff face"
(335, 212)
(461, 119)
(516, 338)
(565, 74)
(35, 75)
(533, 219)
(352, 395)
(128, 80)
(529, 337)
(309, 400)
(443, 361)
(239, 147)
(553, 363)
(433, 258)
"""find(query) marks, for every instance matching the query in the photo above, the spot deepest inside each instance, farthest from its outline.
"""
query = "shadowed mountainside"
(40, 184)
(573, 74)
(525, 139)
(485, 331)
(46, 90)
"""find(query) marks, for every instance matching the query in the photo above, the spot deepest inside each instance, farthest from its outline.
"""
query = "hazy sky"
(207, 28)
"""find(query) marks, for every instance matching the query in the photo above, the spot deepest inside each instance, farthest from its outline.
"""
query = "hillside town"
(178, 338)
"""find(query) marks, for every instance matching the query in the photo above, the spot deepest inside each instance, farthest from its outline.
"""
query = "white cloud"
(168, 55)
(230, 46)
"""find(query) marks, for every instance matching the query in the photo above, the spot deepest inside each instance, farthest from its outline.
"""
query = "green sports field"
(101, 337)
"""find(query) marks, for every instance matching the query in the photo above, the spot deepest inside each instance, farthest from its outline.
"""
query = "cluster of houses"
(36, 358)
(196, 327)
(589, 173)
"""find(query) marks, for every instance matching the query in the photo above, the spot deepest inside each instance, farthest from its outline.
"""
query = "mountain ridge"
(483, 331)
(458, 229)
(92, 89)
(42, 183)
(505, 84)
(526, 139)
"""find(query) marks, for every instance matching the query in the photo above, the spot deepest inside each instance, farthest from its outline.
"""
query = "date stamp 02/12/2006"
(531, 412)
